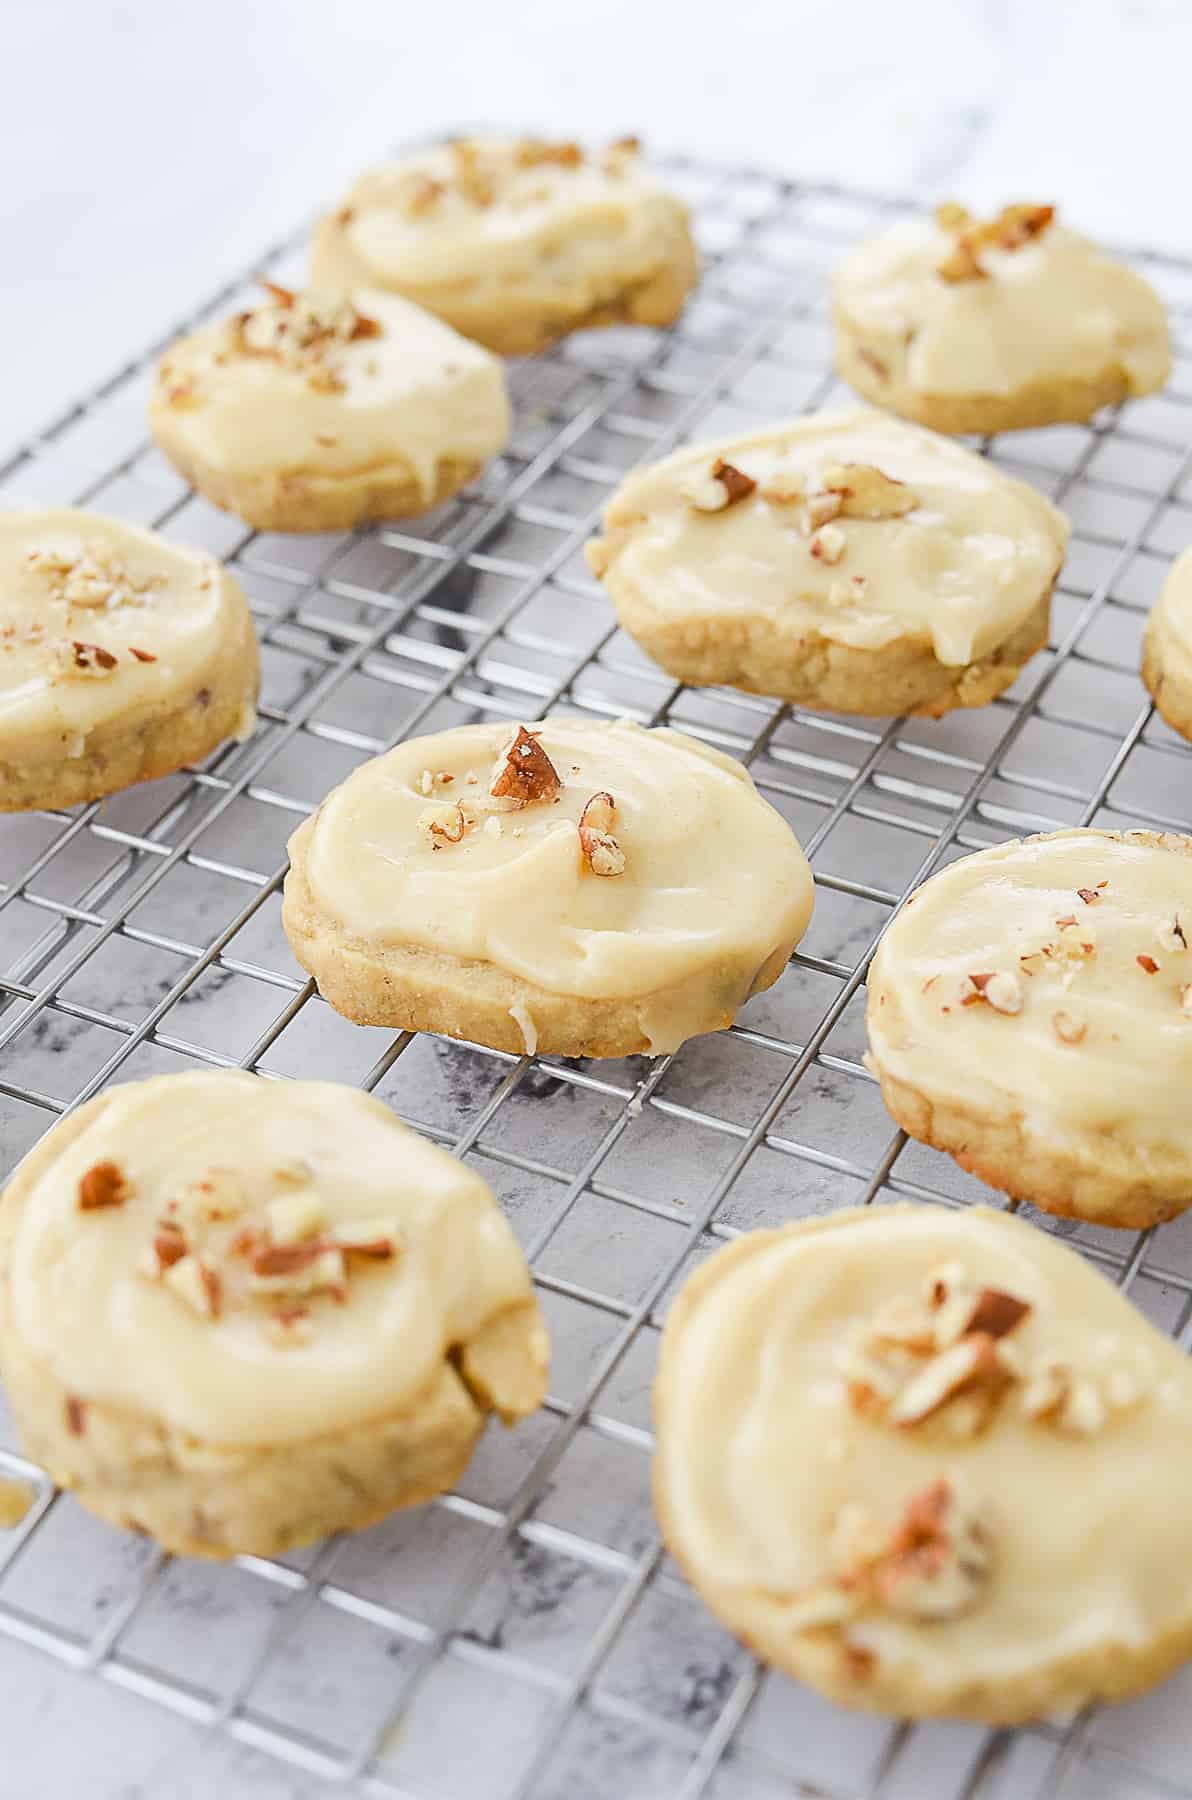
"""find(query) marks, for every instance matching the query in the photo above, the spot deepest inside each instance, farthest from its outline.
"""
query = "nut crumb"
(103, 1185)
(867, 493)
(194, 1280)
(828, 544)
(1148, 963)
(601, 850)
(723, 486)
(90, 659)
(441, 824)
(1170, 934)
(293, 1217)
(998, 989)
(1068, 1029)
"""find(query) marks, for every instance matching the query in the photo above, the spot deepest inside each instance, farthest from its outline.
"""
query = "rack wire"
(525, 1638)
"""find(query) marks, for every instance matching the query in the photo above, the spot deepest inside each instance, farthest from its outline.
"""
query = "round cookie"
(971, 326)
(515, 242)
(1030, 1011)
(846, 561)
(313, 413)
(122, 657)
(577, 888)
(1167, 648)
(929, 1462)
(241, 1314)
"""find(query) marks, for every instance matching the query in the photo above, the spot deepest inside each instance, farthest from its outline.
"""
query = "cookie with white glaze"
(929, 1462)
(312, 412)
(1167, 648)
(1030, 1011)
(576, 887)
(995, 325)
(122, 657)
(241, 1314)
(515, 242)
(846, 561)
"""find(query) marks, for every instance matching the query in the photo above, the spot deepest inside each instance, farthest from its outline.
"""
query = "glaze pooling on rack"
(532, 1609)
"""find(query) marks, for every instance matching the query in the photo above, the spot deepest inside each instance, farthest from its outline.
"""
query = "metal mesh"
(525, 1635)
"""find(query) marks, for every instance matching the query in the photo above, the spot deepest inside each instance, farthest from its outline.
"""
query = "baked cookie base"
(408, 988)
(525, 322)
(309, 501)
(199, 1498)
(1102, 1185)
(765, 654)
(1172, 696)
(119, 754)
(1059, 401)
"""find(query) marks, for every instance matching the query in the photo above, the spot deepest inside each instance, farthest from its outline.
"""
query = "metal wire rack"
(525, 1638)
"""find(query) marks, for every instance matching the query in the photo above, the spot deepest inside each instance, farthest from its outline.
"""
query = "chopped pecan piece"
(76, 1415)
(960, 264)
(1147, 963)
(367, 1237)
(1171, 936)
(196, 1282)
(91, 659)
(868, 493)
(142, 656)
(531, 153)
(602, 852)
(294, 1217)
(281, 296)
(442, 824)
(103, 1185)
(938, 1560)
(997, 988)
(723, 486)
(972, 1364)
(1068, 1030)
(951, 216)
(420, 193)
(524, 772)
(828, 544)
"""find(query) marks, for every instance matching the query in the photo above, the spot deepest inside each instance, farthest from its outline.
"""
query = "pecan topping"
(602, 852)
(873, 363)
(951, 216)
(783, 488)
(524, 772)
(868, 493)
(968, 1366)
(1013, 227)
(1090, 896)
(142, 656)
(76, 1415)
(442, 824)
(294, 1217)
(312, 1268)
(367, 1237)
(91, 659)
(938, 1560)
(723, 486)
(1068, 1029)
(531, 153)
(1171, 935)
(281, 296)
(103, 1185)
(1148, 963)
(420, 193)
(196, 1282)
(997, 988)
(828, 544)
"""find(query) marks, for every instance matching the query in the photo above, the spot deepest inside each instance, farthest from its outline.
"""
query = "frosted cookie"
(997, 325)
(312, 413)
(515, 241)
(122, 657)
(1030, 1011)
(845, 561)
(240, 1314)
(1167, 648)
(576, 888)
(929, 1462)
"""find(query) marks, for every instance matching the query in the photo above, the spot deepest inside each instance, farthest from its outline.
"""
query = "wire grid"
(526, 1636)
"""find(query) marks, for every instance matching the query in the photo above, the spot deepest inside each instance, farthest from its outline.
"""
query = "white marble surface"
(150, 149)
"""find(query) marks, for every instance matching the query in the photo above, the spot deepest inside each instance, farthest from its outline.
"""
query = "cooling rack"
(525, 1637)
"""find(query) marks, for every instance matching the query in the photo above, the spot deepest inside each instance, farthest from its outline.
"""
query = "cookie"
(1030, 1011)
(1167, 648)
(515, 242)
(930, 1463)
(311, 413)
(846, 561)
(240, 1314)
(998, 325)
(577, 888)
(122, 657)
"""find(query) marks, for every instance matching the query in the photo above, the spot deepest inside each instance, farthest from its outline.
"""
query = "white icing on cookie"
(101, 621)
(965, 562)
(791, 1447)
(694, 874)
(413, 1256)
(506, 220)
(312, 385)
(1051, 978)
(1053, 308)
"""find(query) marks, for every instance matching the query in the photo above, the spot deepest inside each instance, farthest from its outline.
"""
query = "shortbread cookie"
(929, 1462)
(122, 657)
(575, 888)
(1167, 648)
(312, 413)
(515, 241)
(1030, 1011)
(845, 561)
(240, 1314)
(995, 326)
